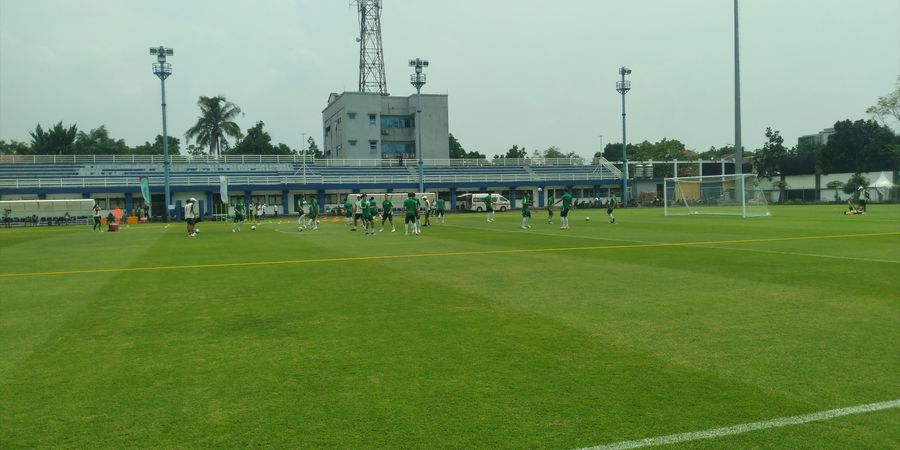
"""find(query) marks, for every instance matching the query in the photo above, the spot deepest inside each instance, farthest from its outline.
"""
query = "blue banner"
(145, 189)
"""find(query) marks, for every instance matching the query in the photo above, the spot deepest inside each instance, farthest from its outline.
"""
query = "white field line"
(747, 427)
(698, 245)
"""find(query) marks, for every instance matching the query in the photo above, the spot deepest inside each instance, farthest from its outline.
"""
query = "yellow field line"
(444, 254)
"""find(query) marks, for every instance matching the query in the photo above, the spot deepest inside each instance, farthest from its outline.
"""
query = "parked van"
(475, 202)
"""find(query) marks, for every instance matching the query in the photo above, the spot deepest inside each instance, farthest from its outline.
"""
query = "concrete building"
(359, 125)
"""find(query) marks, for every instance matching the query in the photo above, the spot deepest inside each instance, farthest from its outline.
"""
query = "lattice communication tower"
(371, 56)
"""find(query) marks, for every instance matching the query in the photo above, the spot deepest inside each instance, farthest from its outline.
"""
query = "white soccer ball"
(587, 218)
(539, 189)
(197, 230)
(253, 228)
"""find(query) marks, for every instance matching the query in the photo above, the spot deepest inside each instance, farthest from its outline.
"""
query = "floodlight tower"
(418, 80)
(162, 69)
(371, 56)
(623, 87)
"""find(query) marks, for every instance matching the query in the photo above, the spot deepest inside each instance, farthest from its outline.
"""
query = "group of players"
(365, 209)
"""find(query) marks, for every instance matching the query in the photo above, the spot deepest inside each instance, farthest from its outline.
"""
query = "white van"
(475, 202)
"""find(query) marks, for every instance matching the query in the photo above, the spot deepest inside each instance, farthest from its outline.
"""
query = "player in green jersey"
(610, 206)
(373, 211)
(387, 213)
(411, 205)
(314, 212)
(440, 210)
(566, 201)
(348, 210)
(489, 206)
(238, 216)
(526, 212)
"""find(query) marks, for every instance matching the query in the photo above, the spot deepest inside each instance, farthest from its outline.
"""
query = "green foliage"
(856, 181)
(215, 124)
(14, 147)
(156, 148)
(717, 152)
(58, 140)
(860, 146)
(888, 107)
(514, 153)
(767, 162)
(312, 148)
(98, 142)
(256, 142)
(458, 152)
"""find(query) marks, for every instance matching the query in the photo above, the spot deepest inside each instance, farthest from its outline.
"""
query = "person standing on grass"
(191, 213)
(357, 211)
(863, 199)
(550, 210)
(440, 210)
(238, 216)
(348, 211)
(526, 213)
(412, 207)
(566, 201)
(373, 212)
(489, 206)
(302, 208)
(96, 210)
(427, 211)
(610, 206)
(387, 213)
(314, 212)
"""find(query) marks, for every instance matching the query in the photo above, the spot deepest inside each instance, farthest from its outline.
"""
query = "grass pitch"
(473, 335)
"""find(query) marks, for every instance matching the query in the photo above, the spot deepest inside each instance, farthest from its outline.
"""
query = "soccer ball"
(253, 228)
(587, 218)
(612, 220)
(196, 230)
(539, 189)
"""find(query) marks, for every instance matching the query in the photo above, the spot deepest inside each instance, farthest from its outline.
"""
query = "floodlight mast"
(162, 69)
(623, 87)
(418, 80)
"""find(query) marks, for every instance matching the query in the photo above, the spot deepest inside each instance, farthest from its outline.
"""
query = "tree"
(215, 123)
(458, 152)
(717, 153)
(98, 142)
(58, 140)
(156, 148)
(553, 152)
(613, 151)
(14, 147)
(768, 160)
(283, 149)
(312, 149)
(256, 142)
(514, 153)
(855, 182)
(861, 146)
(888, 106)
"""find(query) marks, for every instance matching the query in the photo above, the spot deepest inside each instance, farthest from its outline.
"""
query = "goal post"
(727, 195)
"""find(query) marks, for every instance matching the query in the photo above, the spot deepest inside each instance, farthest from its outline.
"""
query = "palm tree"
(215, 123)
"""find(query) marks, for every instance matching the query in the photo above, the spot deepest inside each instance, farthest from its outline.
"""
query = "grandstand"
(280, 179)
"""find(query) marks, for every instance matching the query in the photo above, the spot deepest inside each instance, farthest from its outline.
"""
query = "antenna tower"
(371, 56)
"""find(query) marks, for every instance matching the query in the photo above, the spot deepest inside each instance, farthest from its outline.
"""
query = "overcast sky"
(530, 72)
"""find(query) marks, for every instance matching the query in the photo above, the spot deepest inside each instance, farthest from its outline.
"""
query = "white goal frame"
(715, 195)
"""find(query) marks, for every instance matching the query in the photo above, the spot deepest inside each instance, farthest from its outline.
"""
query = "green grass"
(473, 335)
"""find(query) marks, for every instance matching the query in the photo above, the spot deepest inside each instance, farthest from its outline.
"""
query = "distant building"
(359, 125)
(820, 138)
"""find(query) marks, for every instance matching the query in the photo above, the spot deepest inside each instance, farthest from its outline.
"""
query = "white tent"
(883, 186)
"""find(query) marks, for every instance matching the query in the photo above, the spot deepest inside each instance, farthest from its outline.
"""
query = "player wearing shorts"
(238, 216)
(440, 210)
(96, 210)
(411, 205)
(610, 206)
(357, 211)
(489, 206)
(348, 211)
(566, 200)
(387, 213)
(550, 210)
(373, 211)
(314, 213)
(302, 208)
(427, 211)
(526, 213)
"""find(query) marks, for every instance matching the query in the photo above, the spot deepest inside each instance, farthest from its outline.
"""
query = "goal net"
(730, 195)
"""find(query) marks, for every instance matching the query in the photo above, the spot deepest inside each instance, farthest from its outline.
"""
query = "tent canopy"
(882, 182)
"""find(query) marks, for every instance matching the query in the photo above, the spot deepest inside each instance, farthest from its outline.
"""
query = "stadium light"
(162, 69)
(418, 80)
(623, 87)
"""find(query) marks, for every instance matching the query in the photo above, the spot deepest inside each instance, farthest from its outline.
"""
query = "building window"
(352, 142)
(372, 119)
(396, 122)
(398, 150)
(351, 115)
(373, 146)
